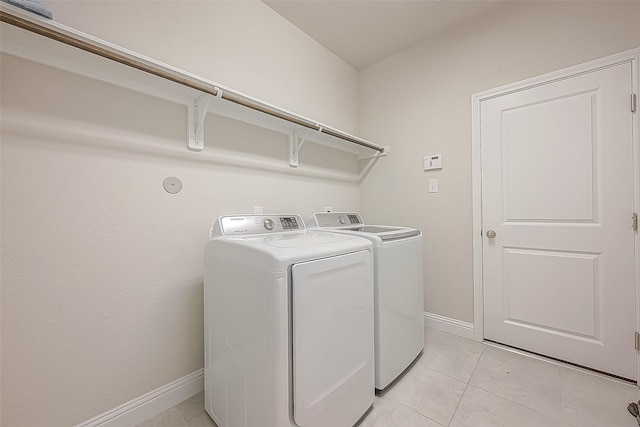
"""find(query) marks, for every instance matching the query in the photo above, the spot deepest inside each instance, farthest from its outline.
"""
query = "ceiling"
(363, 32)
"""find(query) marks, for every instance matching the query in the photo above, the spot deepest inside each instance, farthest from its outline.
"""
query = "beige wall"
(101, 269)
(419, 103)
(244, 45)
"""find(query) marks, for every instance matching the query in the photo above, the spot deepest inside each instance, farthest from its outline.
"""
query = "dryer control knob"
(342, 220)
(268, 224)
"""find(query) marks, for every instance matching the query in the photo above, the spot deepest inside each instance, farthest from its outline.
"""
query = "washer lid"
(351, 221)
(386, 233)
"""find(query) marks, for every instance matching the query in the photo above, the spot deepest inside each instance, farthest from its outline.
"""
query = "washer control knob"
(268, 224)
(342, 220)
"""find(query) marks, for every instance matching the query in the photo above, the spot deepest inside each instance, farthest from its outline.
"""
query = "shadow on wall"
(118, 119)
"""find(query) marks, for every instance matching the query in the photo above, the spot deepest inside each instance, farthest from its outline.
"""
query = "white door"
(557, 190)
(332, 333)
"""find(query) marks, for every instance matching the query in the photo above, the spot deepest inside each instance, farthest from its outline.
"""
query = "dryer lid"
(274, 242)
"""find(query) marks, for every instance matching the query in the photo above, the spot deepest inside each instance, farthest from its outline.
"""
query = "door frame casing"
(630, 56)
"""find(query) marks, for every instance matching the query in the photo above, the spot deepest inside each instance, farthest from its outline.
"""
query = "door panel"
(557, 188)
(549, 162)
(530, 276)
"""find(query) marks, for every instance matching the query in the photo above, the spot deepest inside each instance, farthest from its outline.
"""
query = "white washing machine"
(288, 324)
(399, 291)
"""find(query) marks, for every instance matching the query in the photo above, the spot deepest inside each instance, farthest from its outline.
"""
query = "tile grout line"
(550, 364)
(182, 418)
(517, 403)
(513, 401)
(413, 410)
(466, 383)
(466, 387)
(561, 397)
(401, 379)
(458, 379)
(177, 408)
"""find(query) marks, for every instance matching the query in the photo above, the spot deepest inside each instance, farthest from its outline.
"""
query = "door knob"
(491, 234)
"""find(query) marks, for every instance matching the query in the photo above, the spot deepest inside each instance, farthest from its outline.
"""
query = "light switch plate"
(433, 162)
(433, 186)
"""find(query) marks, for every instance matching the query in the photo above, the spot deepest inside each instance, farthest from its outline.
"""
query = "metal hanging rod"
(95, 46)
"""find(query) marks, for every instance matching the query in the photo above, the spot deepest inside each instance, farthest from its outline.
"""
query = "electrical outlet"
(257, 210)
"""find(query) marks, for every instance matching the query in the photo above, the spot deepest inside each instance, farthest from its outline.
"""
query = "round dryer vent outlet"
(172, 184)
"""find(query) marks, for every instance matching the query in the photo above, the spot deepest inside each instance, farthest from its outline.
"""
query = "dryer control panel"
(242, 225)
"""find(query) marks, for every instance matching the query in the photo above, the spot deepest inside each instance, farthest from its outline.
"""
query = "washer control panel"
(259, 224)
(337, 219)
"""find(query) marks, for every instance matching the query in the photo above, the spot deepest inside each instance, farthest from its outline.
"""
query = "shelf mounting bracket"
(296, 140)
(377, 154)
(197, 112)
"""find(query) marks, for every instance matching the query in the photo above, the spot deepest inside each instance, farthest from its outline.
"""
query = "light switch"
(433, 162)
(433, 186)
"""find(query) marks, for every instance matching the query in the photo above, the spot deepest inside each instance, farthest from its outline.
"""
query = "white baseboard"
(151, 404)
(449, 325)
(159, 400)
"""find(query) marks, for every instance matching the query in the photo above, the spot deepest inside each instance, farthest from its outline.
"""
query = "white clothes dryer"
(399, 289)
(288, 324)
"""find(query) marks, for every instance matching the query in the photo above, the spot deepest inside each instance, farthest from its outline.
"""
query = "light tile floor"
(462, 383)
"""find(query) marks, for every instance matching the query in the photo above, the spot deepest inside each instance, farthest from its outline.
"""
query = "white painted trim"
(636, 191)
(449, 325)
(632, 56)
(151, 404)
(476, 222)
(587, 67)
